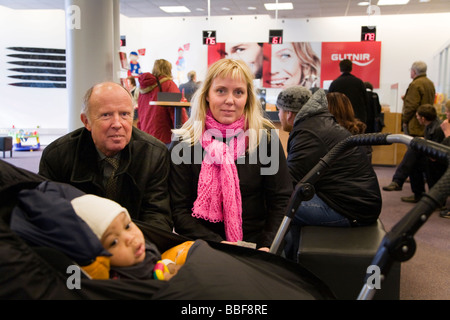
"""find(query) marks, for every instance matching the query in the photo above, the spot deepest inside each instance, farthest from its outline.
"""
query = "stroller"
(213, 271)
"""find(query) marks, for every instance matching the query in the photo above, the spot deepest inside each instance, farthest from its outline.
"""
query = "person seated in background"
(110, 158)
(430, 168)
(347, 193)
(229, 181)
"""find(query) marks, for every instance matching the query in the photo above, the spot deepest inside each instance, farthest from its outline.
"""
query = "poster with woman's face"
(292, 63)
(250, 52)
(279, 66)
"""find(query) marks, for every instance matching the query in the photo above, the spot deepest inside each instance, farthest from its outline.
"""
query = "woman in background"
(341, 107)
(157, 120)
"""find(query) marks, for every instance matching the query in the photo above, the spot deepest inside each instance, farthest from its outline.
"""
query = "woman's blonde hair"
(256, 123)
(310, 62)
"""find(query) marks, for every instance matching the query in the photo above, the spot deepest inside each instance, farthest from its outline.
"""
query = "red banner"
(365, 55)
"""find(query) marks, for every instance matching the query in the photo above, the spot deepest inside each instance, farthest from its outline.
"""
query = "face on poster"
(250, 52)
(291, 63)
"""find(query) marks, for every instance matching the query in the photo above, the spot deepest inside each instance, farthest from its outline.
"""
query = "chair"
(340, 257)
(6, 145)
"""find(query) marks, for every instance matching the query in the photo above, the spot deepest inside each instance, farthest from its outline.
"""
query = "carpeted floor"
(424, 277)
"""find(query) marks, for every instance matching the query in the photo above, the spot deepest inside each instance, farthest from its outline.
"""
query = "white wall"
(31, 107)
(405, 38)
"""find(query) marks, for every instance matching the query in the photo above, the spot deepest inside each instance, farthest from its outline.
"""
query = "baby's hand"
(173, 270)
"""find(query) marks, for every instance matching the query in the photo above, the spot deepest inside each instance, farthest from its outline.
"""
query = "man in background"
(353, 88)
(191, 86)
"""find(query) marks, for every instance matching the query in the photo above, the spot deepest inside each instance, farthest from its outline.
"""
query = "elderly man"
(347, 194)
(109, 157)
(420, 91)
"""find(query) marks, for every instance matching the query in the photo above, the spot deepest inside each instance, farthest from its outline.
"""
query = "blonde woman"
(229, 180)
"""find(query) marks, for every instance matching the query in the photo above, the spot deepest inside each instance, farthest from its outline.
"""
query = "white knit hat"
(97, 212)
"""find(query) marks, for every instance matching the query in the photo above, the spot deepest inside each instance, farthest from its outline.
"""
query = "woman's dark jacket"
(264, 197)
(350, 186)
(143, 173)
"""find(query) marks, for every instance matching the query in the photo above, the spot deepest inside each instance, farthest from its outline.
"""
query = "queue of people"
(223, 176)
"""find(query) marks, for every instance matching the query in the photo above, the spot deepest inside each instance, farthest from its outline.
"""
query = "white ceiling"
(302, 8)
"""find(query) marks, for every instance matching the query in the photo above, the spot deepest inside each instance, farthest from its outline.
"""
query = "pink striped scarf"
(219, 195)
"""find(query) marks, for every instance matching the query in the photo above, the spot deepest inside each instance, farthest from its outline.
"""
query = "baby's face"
(125, 241)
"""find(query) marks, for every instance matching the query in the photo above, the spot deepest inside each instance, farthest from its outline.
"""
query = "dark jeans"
(418, 167)
(406, 167)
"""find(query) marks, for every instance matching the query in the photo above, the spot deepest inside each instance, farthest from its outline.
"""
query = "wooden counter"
(392, 154)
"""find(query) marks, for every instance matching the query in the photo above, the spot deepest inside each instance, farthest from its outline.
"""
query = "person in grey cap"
(348, 193)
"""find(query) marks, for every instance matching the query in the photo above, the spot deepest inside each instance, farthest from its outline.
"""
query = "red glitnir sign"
(365, 56)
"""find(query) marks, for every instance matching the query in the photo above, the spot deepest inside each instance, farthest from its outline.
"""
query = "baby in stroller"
(125, 253)
(38, 245)
(132, 256)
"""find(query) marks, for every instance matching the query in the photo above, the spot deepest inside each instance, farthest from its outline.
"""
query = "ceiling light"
(391, 2)
(174, 9)
(363, 3)
(424, 1)
(200, 9)
(225, 9)
(251, 8)
(279, 6)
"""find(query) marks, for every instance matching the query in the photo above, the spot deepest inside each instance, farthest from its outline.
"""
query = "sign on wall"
(310, 64)
(365, 56)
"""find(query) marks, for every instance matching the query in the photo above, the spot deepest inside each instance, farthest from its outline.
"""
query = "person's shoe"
(445, 214)
(393, 186)
(410, 199)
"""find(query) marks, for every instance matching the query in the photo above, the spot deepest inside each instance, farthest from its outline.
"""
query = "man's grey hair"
(419, 67)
